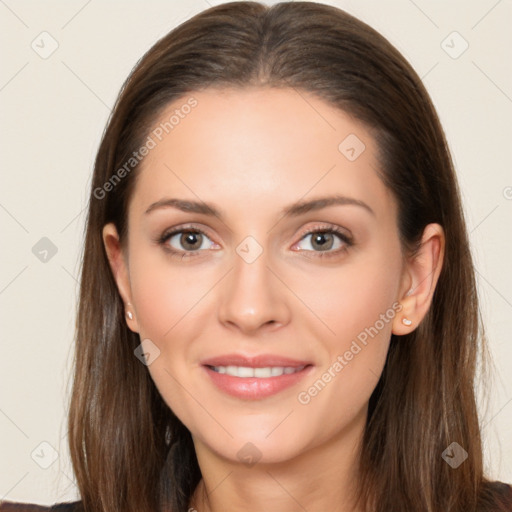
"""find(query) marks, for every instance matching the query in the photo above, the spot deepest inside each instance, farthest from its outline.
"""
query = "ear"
(119, 266)
(419, 280)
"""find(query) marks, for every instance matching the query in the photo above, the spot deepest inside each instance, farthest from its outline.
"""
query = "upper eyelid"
(168, 233)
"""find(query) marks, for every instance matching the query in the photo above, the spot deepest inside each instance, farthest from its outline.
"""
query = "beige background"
(53, 112)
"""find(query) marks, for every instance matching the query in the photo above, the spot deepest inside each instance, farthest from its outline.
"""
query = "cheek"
(164, 300)
(359, 307)
(347, 300)
(162, 294)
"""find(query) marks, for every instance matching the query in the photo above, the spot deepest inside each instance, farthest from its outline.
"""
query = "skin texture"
(251, 153)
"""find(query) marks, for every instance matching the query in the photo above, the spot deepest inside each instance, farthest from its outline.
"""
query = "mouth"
(255, 377)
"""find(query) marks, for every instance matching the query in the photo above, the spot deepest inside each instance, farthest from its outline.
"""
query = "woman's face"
(250, 282)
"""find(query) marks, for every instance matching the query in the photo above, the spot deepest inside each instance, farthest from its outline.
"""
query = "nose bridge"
(252, 296)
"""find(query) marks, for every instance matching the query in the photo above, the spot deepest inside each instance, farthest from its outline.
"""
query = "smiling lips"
(254, 377)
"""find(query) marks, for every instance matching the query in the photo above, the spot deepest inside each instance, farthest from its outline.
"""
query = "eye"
(185, 242)
(328, 240)
(321, 241)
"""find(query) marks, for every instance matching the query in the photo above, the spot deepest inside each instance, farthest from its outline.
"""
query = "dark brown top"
(11, 506)
(501, 492)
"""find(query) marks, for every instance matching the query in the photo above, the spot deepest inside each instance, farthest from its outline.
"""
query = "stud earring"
(406, 321)
(129, 315)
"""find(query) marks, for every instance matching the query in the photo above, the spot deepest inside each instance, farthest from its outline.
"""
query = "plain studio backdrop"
(63, 64)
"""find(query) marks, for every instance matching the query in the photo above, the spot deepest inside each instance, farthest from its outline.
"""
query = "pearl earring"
(129, 315)
(406, 321)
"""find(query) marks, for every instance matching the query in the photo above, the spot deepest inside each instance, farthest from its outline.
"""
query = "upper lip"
(255, 361)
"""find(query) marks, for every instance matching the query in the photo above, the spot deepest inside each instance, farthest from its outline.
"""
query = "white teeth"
(244, 372)
(262, 373)
(265, 372)
(276, 371)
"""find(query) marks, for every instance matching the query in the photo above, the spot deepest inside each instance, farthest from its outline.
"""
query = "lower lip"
(255, 388)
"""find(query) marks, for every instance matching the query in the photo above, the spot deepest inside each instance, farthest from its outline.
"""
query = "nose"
(253, 299)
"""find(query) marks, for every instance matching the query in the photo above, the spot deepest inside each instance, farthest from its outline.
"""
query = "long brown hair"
(129, 451)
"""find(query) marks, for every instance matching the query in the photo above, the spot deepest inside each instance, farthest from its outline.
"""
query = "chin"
(256, 443)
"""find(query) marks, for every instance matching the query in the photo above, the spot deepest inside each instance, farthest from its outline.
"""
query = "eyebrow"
(293, 210)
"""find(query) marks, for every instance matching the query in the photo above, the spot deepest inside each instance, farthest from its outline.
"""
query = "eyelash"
(329, 229)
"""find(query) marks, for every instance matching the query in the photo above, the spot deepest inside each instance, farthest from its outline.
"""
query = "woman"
(278, 307)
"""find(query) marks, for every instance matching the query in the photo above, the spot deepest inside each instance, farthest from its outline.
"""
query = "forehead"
(265, 144)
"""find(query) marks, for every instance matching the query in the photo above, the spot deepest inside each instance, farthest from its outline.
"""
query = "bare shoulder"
(12, 506)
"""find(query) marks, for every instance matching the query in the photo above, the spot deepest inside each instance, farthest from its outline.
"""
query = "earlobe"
(119, 268)
(421, 275)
